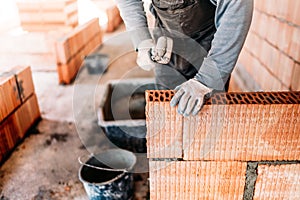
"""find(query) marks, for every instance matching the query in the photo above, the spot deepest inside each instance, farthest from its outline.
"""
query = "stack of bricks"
(237, 147)
(36, 15)
(74, 46)
(19, 108)
(112, 13)
(271, 55)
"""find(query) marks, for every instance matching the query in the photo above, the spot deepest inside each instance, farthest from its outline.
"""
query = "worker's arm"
(233, 19)
(134, 16)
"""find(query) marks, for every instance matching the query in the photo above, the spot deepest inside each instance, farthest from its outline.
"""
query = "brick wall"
(240, 146)
(271, 55)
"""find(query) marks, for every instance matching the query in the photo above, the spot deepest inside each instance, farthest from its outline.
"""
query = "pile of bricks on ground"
(19, 108)
(273, 46)
(241, 145)
(74, 46)
(47, 14)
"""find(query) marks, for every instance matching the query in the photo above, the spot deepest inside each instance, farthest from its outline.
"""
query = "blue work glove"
(190, 97)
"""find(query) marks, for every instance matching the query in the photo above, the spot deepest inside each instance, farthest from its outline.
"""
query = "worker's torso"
(192, 20)
(189, 17)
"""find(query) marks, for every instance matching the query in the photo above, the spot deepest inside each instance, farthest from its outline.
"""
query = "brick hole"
(294, 101)
(260, 96)
(270, 100)
(161, 98)
(214, 101)
(249, 96)
(235, 101)
(272, 97)
(167, 95)
(217, 96)
(240, 97)
(156, 94)
(296, 95)
(228, 96)
(258, 101)
(150, 98)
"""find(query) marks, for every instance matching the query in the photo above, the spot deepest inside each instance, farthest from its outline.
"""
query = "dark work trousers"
(190, 23)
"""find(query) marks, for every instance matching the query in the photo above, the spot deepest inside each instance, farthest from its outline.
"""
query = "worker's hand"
(190, 97)
(149, 53)
(144, 55)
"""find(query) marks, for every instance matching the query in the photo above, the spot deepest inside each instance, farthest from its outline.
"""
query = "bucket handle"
(100, 168)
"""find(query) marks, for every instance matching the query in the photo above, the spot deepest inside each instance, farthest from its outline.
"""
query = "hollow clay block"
(280, 181)
(164, 129)
(230, 127)
(197, 180)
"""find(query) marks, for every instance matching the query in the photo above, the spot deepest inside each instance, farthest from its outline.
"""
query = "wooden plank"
(197, 180)
(231, 127)
(9, 95)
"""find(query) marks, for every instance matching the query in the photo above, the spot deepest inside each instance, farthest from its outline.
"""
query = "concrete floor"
(45, 165)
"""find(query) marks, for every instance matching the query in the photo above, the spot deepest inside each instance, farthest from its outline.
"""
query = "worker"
(205, 38)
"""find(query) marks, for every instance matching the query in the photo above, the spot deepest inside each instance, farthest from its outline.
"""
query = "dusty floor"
(45, 165)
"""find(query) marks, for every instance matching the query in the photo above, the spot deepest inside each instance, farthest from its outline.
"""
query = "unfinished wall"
(270, 59)
(19, 108)
(235, 148)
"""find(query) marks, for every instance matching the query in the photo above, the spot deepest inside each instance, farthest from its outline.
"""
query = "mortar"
(121, 113)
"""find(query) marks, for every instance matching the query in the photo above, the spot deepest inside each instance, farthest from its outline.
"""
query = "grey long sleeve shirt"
(232, 21)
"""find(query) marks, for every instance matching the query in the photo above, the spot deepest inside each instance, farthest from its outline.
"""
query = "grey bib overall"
(190, 23)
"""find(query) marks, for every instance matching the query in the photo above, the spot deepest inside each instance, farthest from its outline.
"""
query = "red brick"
(296, 78)
(273, 33)
(72, 48)
(46, 15)
(197, 180)
(295, 45)
(232, 131)
(9, 95)
(285, 69)
(24, 81)
(277, 182)
(27, 115)
(243, 133)
(294, 8)
(284, 36)
(164, 131)
(256, 19)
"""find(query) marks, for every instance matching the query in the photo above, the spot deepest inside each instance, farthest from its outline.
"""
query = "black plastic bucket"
(111, 180)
